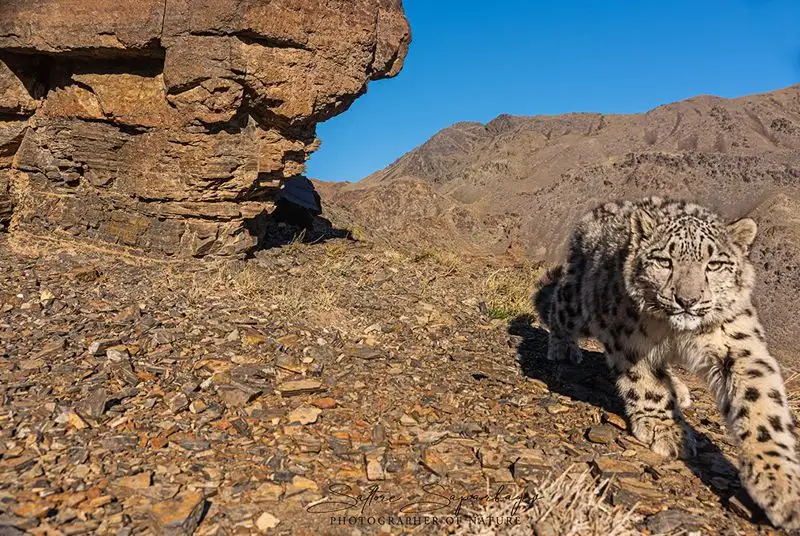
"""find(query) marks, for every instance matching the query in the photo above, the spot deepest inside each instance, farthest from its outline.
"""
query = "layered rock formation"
(167, 126)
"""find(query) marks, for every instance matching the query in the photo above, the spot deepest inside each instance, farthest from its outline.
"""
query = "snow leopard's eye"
(713, 266)
(663, 262)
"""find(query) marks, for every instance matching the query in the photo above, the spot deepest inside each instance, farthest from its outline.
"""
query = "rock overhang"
(168, 126)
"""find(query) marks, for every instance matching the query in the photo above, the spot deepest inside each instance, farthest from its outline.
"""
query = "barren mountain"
(516, 185)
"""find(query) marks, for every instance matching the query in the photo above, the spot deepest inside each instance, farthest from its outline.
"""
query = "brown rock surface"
(518, 184)
(168, 126)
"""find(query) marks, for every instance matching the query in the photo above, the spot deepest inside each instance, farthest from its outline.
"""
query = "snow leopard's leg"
(682, 393)
(651, 403)
(556, 301)
(749, 389)
(565, 323)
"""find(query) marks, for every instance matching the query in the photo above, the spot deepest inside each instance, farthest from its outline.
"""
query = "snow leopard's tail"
(545, 291)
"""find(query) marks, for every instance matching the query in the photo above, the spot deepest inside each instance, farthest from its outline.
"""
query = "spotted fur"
(660, 282)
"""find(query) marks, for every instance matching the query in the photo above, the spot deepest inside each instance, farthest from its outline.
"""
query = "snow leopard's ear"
(742, 233)
(642, 225)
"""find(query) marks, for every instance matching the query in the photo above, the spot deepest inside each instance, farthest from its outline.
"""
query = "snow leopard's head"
(687, 265)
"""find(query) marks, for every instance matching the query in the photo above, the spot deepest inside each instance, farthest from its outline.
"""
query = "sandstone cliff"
(167, 126)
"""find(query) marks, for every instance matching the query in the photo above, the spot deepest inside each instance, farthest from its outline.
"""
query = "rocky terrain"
(516, 185)
(167, 126)
(267, 395)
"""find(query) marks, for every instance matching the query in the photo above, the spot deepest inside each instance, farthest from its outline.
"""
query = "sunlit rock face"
(167, 126)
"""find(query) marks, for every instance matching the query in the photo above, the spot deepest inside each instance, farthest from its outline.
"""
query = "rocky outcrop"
(168, 126)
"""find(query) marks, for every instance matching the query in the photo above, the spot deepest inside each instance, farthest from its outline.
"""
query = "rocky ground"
(309, 388)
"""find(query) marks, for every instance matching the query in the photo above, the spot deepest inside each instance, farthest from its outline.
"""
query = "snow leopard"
(663, 282)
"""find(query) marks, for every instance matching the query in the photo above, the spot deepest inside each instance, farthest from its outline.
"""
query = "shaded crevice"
(177, 89)
(260, 191)
(148, 67)
(374, 49)
(13, 117)
(253, 38)
(33, 72)
(131, 130)
(289, 225)
(163, 21)
(260, 109)
(250, 37)
(234, 125)
(149, 50)
(6, 201)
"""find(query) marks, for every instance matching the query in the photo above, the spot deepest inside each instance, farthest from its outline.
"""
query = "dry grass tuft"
(257, 284)
(336, 250)
(508, 291)
(448, 260)
(358, 234)
(570, 505)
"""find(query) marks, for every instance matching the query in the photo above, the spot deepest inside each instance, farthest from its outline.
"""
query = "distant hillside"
(517, 184)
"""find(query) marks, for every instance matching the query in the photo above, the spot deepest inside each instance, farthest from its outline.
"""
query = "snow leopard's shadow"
(591, 382)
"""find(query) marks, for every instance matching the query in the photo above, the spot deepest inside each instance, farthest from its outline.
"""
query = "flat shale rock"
(168, 127)
(375, 470)
(669, 520)
(602, 434)
(530, 465)
(267, 521)
(300, 485)
(237, 397)
(300, 387)
(179, 516)
(304, 415)
(630, 491)
(606, 467)
(450, 456)
(614, 420)
(136, 482)
(490, 459)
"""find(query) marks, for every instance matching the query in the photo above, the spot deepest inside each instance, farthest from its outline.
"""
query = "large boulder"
(167, 127)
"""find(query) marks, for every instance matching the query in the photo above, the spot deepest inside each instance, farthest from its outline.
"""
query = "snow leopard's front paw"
(665, 436)
(562, 350)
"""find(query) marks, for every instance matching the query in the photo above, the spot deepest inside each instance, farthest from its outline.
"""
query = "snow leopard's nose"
(686, 302)
(688, 289)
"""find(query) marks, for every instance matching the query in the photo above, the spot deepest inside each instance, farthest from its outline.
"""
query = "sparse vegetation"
(570, 505)
(508, 291)
(257, 284)
(792, 392)
(358, 234)
(447, 259)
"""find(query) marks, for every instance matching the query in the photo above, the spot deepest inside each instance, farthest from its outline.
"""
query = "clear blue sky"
(473, 60)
